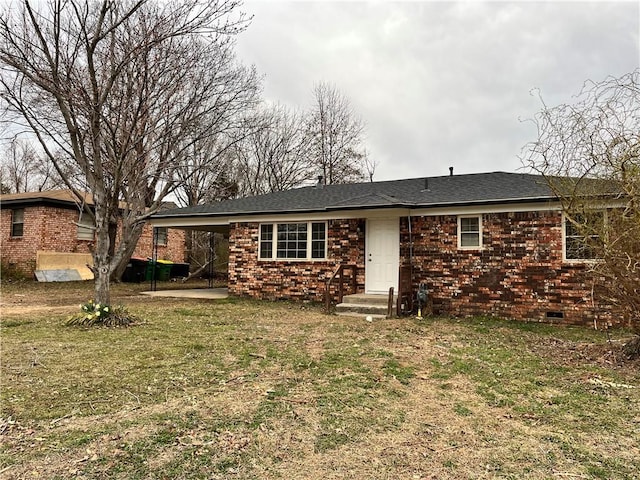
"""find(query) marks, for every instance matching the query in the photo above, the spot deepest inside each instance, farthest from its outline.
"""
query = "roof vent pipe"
(319, 184)
(451, 171)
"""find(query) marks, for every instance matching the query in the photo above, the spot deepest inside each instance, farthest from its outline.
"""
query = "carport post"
(154, 260)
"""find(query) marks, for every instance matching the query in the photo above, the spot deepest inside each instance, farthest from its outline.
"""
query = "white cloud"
(440, 83)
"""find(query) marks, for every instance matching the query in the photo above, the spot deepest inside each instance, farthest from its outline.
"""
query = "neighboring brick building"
(484, 244)
(50, 222)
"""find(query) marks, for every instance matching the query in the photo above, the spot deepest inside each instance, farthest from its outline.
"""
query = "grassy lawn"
(244, 389)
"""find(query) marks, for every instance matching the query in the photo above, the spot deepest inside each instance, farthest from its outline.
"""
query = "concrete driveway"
(205, 293)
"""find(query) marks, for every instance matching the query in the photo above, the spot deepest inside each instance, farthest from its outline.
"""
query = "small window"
(581, 236)
(266, 240)
(318, 240)
(161, 234)
(17, 222)
(300, 241)
(469, 232)
(85, 227)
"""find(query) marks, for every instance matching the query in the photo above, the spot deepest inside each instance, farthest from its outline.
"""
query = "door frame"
(368, 272)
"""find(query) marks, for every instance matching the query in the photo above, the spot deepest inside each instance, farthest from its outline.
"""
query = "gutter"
(354, 207)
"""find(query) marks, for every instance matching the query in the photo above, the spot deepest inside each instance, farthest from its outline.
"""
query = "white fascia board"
(190, 222)
(204, 220)
(329, 215)
(484, 208)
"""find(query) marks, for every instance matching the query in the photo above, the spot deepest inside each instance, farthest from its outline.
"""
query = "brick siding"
(282, 279)
(519, 272)
(54, 229)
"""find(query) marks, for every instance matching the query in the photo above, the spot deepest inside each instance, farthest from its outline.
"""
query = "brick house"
(35, 223)
(484, 244)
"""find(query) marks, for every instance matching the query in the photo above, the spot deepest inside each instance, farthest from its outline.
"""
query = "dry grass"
(243, 389)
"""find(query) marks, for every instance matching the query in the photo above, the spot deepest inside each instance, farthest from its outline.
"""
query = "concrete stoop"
(365, 304)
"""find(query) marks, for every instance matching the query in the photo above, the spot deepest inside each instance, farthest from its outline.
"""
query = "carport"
(189, 224)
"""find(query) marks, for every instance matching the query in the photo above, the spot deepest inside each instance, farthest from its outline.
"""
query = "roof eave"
(331, 208)
(28, 202)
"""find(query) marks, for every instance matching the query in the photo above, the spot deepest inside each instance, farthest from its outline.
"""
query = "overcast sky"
(440, 84)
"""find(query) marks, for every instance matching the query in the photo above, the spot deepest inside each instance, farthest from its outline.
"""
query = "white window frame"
(14, 223)
(274, 242)
(565, 220)
(460, 232)
(162, 239)
(85, 227)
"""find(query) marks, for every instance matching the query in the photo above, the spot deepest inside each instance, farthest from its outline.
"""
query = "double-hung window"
(293, 241)
(17, 222)
(470, 232)
(85, 227)
(161, 235)
(582, 235)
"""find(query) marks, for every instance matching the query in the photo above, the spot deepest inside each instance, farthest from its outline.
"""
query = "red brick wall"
(281, 279)
(174, 250)
(519, 273)
(53, 229)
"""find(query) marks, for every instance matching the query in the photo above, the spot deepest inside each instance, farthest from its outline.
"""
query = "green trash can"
(149, 271)
(163, 272)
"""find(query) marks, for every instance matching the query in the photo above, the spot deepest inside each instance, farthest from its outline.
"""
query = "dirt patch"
(608, 354)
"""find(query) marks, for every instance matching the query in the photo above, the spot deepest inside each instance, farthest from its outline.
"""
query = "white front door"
(382, 252)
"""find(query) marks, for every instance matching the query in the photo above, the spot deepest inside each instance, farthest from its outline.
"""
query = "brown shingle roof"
(57, 197)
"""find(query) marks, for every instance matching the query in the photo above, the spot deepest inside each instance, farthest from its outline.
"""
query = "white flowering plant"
(92, 313)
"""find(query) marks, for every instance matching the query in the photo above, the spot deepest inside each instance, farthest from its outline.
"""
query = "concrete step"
(374, 316)
(361, 308)
(367, 299)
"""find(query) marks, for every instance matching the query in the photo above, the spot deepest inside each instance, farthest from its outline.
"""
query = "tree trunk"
(122, 255)
(102, 291)
(101, 257)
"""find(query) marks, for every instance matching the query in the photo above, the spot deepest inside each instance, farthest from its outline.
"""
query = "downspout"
(410, 240)
(410, 257)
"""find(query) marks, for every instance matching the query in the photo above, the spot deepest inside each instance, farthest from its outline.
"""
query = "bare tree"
(275, 156)
(116, 87)
(336, 137)
(589, 152)
(205, 172)
(370, 166)
(23, 169)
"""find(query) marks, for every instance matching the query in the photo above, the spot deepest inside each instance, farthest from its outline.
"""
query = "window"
(85, 227)
(266, 240)
(581, 235)
(161, 234)
(300, 240)
(469, 232)
(17, 222)
(318, 240)
(292, 240)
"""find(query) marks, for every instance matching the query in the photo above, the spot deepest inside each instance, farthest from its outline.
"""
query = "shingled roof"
(480, 188)
(57, 198)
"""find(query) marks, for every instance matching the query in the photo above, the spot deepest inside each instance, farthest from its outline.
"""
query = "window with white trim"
(17, 222)
(470, 232)
(293, 241)
(581, 235)
(161, 236)
(85, 227)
